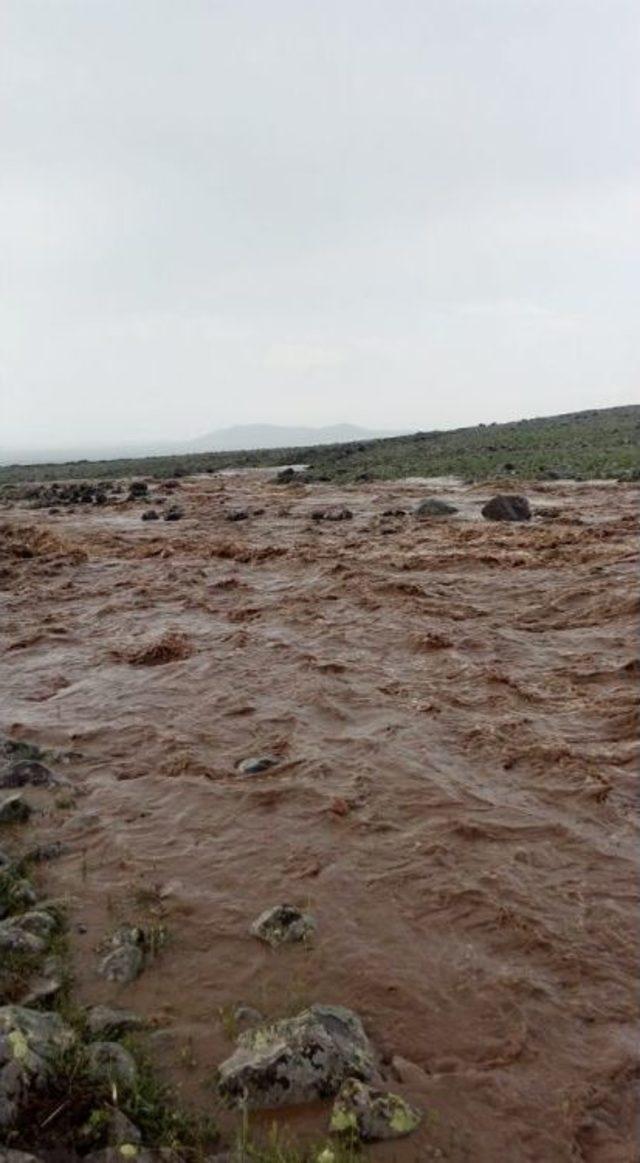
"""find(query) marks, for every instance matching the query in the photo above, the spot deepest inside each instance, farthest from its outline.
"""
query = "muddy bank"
(450, 708)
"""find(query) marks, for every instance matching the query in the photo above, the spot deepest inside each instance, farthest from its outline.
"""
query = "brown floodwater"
(452, 705)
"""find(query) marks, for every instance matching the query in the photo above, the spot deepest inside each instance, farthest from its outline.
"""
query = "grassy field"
(594, 444)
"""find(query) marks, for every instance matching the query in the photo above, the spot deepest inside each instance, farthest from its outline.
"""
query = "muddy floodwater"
(451, 705)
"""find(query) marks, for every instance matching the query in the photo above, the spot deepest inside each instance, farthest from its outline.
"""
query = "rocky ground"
(317, 804)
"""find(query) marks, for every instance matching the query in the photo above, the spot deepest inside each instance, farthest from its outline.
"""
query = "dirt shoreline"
(452, 707)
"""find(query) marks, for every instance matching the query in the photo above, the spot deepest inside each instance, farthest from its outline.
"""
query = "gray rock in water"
(112, 1022)
(433, 507)
(283, 924)
(14, 810)
(507, 507)
(174, 513)
(366, 1113)
(29, 1041)
(45, 852)
(297, 1060)
(254, 765)
(110, 1062)
(123, 963)
(150, 515)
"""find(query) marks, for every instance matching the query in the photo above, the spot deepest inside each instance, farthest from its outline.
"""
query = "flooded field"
(450, 706)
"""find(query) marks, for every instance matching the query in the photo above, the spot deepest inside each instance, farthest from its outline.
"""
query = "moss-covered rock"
(366, 1113)
(297, 1060)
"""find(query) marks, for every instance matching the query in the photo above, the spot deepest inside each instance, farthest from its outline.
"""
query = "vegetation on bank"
(602, 443)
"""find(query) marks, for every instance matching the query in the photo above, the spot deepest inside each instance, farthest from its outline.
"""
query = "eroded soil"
(452, 705)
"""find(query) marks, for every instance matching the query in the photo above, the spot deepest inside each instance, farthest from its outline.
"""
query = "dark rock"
(14, 810)
(237, 515)
(138, 489)
(507, 507)
(283, 924)
(174, 513)
(297, 1060)
(394, 512)
(332, 513)
(20, 749)
(29, 1042)
(15, 894)
(150, 515)
(434, 507)
(254, 765)
(110, 1062)
(103, 1020)
(28, 772)
(368, 1113)
(285, 476)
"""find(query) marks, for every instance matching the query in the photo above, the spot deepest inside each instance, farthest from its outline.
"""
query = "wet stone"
(112, 1022)
(297, 1060)
(283, 924)
(434, 507)
(125, 960)
(28, 772)
(28, 933)
(369, 1114)
(174, 513)
(254, 765)
(44, 852)
(332, 513)
(150, 515)
(507, 507)
(14, 810)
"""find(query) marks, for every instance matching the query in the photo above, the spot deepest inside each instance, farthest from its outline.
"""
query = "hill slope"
(598, 443)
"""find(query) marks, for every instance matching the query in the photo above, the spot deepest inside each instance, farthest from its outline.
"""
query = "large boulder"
(29, 933)
(366, 1113)
(29, 1040)
(507, 507)
(434, 507)
(297, 1060)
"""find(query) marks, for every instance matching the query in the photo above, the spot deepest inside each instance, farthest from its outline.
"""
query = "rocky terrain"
(317, 806)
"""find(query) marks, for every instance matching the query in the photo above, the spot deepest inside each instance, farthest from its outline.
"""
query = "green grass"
(602, 443)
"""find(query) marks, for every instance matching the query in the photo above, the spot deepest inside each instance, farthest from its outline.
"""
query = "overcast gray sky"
(399, 213)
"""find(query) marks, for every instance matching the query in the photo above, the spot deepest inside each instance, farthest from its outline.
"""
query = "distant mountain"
(249, 436)
(240, 437)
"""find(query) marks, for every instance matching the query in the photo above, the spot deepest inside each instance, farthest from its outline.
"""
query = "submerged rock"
(507, 507)
(434, 507)
(29, 1041)
(368, 1113)
(254, 765)
(283, 924)
(297, 1060)
(332, 513)
(174, 513)
(150, 515)
(14, 810)
(113, 1022)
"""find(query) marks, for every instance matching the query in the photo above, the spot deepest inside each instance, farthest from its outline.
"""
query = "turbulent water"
(452, 705)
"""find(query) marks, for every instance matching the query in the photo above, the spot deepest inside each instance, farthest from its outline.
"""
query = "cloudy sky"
(399, 213)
